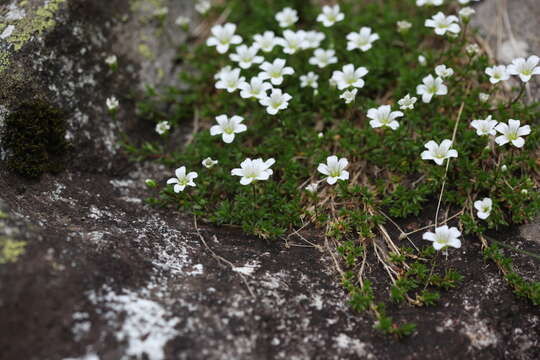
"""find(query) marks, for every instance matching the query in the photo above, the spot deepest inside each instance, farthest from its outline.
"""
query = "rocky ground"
(87, 271)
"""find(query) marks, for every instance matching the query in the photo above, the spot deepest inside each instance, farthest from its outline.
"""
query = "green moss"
(34, 135)
(10, 250)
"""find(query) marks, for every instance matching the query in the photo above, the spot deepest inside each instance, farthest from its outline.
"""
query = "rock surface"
(510, 30)
(87, 271)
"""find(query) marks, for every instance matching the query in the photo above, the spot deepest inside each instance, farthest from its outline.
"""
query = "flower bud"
(150, 183)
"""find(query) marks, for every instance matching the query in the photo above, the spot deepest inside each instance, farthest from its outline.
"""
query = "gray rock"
(90, 272)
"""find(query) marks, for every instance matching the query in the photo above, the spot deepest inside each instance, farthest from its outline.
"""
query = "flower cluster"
(265, 86)
(264, 69)
(525, 69)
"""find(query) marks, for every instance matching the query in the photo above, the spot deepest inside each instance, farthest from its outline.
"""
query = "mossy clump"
(34, 136)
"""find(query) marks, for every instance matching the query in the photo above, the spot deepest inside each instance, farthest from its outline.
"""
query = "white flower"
(224, 70)
(403, 26)
(266, 41)
(223, 36)
(362, 40)
(497, 73)
(525, 69)
(443, 237)
(256, 88)
(439, 153)
(483, 207)
(472, 49)
(349, 77)
(312, 188)
(429, 2)
(228, 127)
(512, 132)
(111, 60)
(310, 79)
(431, 87)
(287, 17)
(466, 13)
(465, 2)
(313, 39)
(275, 71)
(485, 126)
(443, 72)
(422, 60)
(276, 101)
(252, 170)
(209, 162)
(182, 179)
(407, 103)
(230, 80)
(293, 41)
(330, 15)
(182, 21)
(202, 6)
(112, 103)
(323, 58)
(246, 56)
(162, 127)
(320, 135)
(384, 116)
(334, 169)
(483, 97)
(349, 95)
(442, 24)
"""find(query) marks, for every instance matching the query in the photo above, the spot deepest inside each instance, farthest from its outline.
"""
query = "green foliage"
(34, 135)
(386, 324)
(521, 287)
(351, 252)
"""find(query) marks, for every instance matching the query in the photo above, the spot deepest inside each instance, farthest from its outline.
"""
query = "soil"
(104, 276)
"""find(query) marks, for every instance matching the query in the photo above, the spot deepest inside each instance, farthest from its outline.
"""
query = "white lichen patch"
(248, 269)
(89, 356)
(317, 302)
(96, 213)
(480, 334)
(197, 270)
(346, 344)
(171, 256)
(14, 13)
(8, 31)
(121, 183)
(81, 325)
(274, 281)
(476, 329)
(140, 322)
(132, 200)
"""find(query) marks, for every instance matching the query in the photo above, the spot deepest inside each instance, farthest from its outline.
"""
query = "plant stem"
(448, 160)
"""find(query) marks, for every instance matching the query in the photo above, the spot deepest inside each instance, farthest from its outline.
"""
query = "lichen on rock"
(38, 19)
(10, 250)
